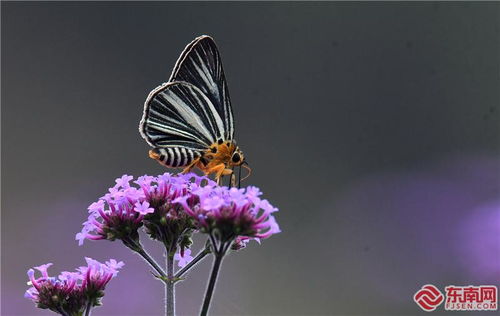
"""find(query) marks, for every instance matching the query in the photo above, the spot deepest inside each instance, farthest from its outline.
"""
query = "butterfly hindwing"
(200, 64)
(179, 114)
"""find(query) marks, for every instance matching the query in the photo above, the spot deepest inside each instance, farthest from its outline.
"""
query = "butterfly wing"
(200, 64)
(180, 115)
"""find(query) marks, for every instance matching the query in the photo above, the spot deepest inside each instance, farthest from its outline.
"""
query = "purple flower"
(115, 265)
(143, 208)
(230, 214)
(240, 243)
(181, 259)
(43, 269)
(123, 182)
(97, 275)
(69, 293)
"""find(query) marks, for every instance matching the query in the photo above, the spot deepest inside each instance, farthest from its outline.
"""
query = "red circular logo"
(428, 297)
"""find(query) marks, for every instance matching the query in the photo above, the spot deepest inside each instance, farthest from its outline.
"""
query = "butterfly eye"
(236, 157)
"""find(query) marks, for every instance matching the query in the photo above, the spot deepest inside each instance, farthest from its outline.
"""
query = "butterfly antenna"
(239, 178)
(246, 166)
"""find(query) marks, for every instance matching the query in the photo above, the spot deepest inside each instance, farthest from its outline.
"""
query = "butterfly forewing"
(200, 64)
(178, 114)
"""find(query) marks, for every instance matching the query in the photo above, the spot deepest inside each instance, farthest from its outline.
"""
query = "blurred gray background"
(374, 127)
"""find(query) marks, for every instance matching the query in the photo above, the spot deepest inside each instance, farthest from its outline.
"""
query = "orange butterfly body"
(218, 159)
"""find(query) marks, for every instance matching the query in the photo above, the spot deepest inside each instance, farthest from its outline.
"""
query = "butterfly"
(189, 120)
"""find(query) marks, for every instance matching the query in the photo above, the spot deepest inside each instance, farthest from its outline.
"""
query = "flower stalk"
(152, 262)
(88, 308)
(137, 247)
(219, 253)
(211, 285)
(170, 284)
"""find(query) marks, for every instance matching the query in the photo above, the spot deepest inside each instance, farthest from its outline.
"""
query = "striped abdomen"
(174, 157)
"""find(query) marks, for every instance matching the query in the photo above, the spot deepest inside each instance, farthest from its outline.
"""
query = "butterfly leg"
(233, 180)
(190, 166)
(219, 170)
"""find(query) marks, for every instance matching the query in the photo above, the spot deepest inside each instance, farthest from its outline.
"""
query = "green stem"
(170, 286)
(211, 284)
(219, 253)
(152, 262)
(138, 248)
(88, 308)
(61, 311)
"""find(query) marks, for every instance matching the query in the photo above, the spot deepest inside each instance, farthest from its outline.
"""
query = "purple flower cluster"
(168, 222)
(172, 206)
(71, 292)
(116, 215)
(125, 208)
(231, 214)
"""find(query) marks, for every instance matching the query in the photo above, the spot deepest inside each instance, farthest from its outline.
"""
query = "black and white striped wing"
(180, 115)
(200, 64)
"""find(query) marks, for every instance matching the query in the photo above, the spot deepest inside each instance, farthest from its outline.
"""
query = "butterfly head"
(237, 158)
